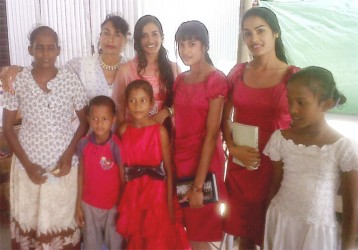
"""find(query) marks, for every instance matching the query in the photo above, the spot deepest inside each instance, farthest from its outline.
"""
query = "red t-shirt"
(101, 180)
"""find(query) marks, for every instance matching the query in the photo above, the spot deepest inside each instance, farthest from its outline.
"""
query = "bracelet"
(170, 111)
(196, 189)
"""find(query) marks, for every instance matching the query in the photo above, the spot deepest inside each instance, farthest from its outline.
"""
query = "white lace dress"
(302, 214)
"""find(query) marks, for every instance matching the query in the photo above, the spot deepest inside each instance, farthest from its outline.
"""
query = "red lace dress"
(266, 108)
(143, 210)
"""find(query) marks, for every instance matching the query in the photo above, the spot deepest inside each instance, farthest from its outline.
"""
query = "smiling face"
(45, 50)
(139, 104)
(191, 51)
(151, 39)
(111, 41)
(258, 36)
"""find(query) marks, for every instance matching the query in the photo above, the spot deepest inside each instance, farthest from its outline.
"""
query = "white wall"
(220, 17)
(77, 23)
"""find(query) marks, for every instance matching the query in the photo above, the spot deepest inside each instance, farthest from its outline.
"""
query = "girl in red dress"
(199, 96)
(258, 97)
(146, 217)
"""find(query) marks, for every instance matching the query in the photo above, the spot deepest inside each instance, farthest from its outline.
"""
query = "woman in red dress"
(257, 97)
(199, 96)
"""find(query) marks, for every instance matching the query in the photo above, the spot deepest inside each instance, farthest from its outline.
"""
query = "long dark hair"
(194, 30)
(166, 74)
(270, 18)
(165, 68)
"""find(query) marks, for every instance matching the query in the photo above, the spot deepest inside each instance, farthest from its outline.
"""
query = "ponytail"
(208, 59)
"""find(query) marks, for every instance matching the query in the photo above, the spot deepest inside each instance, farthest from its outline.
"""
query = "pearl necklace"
(108, 67)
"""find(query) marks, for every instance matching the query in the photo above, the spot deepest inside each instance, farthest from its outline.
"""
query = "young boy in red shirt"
(100, 177)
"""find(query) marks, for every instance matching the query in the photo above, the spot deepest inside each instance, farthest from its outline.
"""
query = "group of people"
(157, 125)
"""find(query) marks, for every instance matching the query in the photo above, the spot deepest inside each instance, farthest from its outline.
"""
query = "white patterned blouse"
(46, 125)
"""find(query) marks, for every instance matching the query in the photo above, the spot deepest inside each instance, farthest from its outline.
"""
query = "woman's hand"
(63, 165)
(250, 157)
(161, 116)
(35, 173)
(7, 77)
(80, 219)
(196, 199)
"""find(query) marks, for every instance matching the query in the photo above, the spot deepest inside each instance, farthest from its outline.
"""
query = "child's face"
(191, 51)
(151, 39)
(305, 107)
(44, 50)
(101, 120)
(258, 36)
(139, 104)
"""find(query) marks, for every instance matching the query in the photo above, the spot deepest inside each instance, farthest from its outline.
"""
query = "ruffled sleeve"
(177, 80)
(274, 146)
(217, 85)
(291, 70)
(348, 155)
(235, 74)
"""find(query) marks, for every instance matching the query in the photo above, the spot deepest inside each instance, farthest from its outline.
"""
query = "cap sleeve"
(217, 85)
(235, 74)
(10, 101)
(273, 148)
(348, 155)
(80, 147)
(116, 144)
(178, 79)
(291, 70)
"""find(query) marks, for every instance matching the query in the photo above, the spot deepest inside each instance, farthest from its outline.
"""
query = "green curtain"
(323, 33)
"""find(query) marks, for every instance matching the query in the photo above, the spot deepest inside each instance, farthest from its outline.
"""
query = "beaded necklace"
(108, 67)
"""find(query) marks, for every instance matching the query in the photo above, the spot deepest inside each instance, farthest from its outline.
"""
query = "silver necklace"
(108, 67)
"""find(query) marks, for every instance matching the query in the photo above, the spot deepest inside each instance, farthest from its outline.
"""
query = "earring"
(276, 35)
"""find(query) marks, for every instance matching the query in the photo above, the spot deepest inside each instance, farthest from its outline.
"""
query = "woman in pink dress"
(199, 96)
(257, 97)
(147, 219)
(151, 64)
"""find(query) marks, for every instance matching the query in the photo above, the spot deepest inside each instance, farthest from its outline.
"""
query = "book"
(244, 135)
(210, 189)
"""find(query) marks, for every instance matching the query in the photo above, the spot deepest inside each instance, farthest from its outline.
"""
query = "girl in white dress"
(311, 161)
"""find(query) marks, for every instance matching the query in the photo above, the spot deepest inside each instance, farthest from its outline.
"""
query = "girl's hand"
(79, 216)
(250, 157)
(36, 173)
(63, 166)
(7, 77)
(196, 199)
